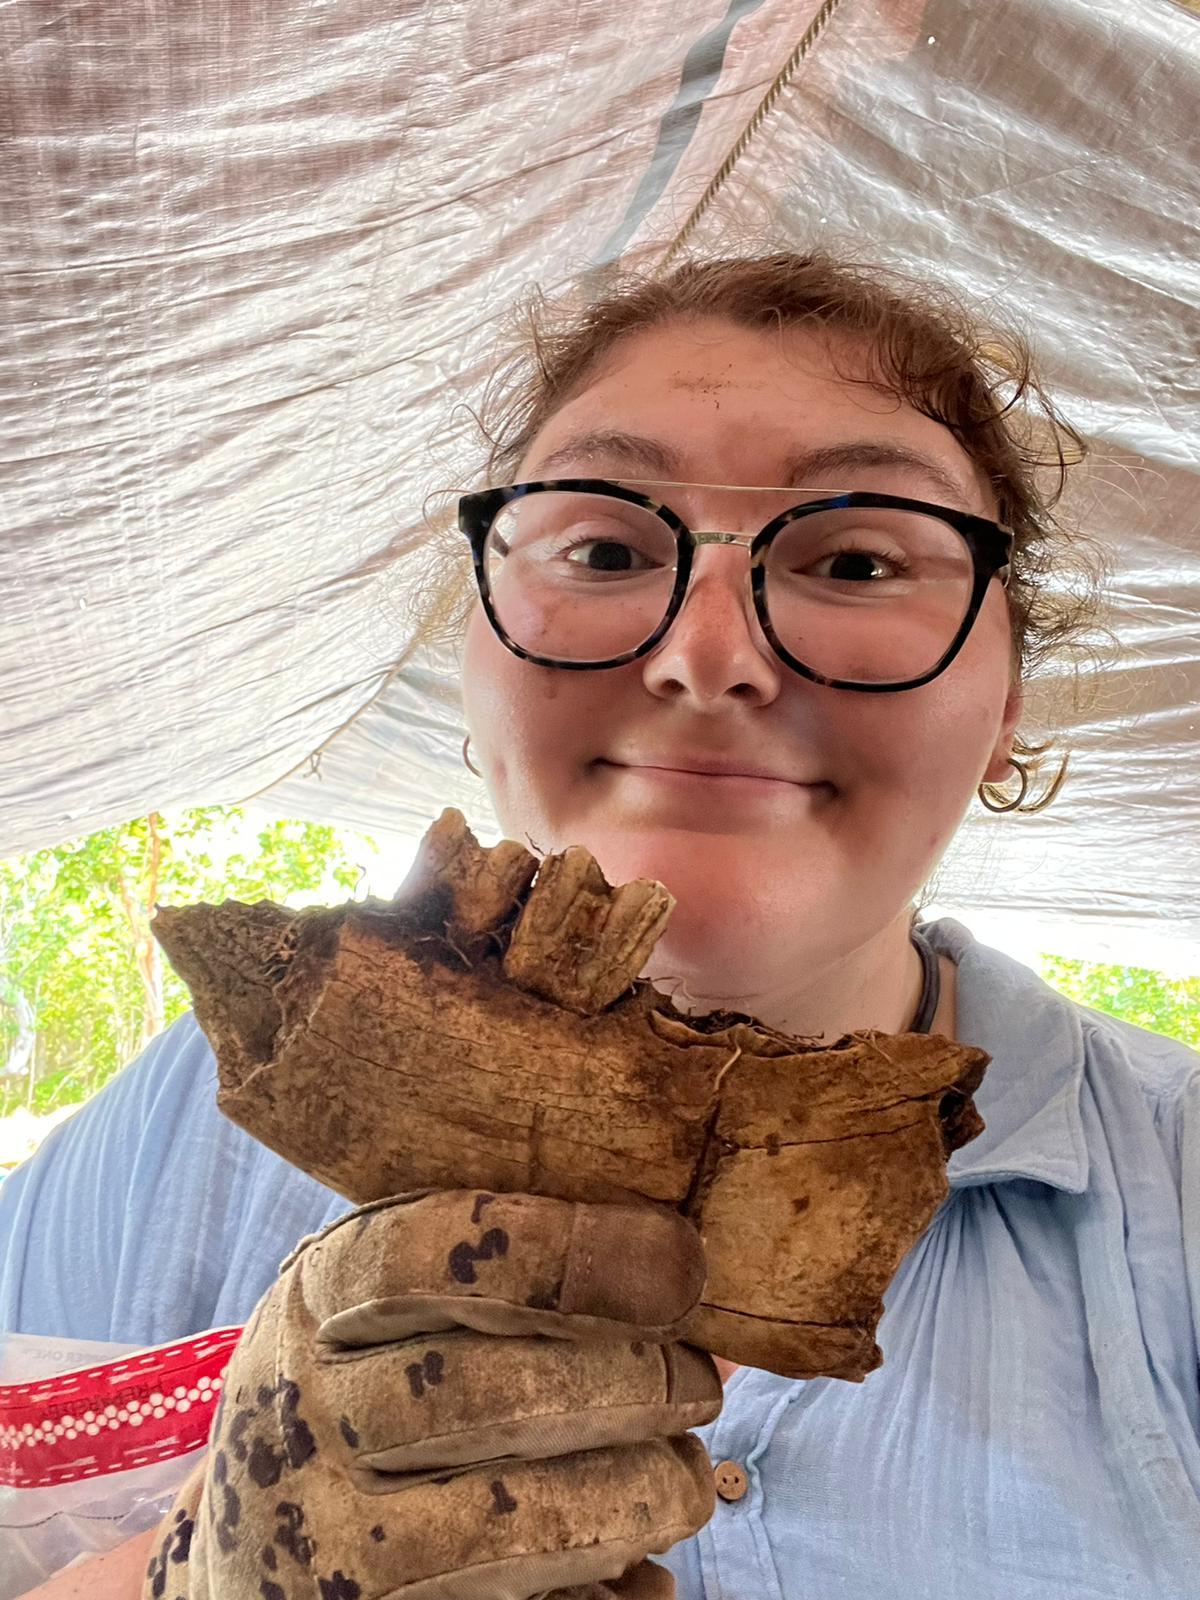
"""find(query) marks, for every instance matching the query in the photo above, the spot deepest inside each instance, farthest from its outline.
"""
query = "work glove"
(457, 1396)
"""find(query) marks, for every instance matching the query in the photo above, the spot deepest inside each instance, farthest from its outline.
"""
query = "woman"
(792, 764)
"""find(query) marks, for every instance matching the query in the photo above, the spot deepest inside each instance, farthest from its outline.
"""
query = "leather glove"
(456, 1394)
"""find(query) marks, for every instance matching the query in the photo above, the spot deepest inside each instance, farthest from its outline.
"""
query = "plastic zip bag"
(95, 1442)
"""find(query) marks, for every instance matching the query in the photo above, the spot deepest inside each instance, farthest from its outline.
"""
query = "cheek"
(529, 723)
(923, 751)
(475, 670)
(496, 699)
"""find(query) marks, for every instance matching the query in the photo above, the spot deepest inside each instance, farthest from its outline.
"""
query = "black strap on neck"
(932, 988)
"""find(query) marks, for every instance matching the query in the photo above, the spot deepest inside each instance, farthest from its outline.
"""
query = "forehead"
(737, 405)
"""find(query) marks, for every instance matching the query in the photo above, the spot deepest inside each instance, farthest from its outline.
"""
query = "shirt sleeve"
(1188, 1135)
(1175, 1106)
(148, 1215)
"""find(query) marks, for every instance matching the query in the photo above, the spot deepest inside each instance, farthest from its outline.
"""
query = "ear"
(999, 767)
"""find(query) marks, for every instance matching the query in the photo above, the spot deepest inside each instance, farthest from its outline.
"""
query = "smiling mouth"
(729, 781)
(715, 777)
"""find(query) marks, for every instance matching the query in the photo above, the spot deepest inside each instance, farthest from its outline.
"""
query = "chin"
(730, 893)
(699, 972)
(719, 869)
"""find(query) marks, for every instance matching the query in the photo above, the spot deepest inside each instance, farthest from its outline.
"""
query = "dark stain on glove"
(429, 1371)
(463, 1257)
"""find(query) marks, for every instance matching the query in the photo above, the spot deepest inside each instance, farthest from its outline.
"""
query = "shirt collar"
(1029, 1097)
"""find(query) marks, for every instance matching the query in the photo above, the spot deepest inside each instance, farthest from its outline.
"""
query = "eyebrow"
(853, 455)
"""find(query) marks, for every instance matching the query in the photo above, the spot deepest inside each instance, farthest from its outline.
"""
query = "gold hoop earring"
(467, 759)
(1009, 805)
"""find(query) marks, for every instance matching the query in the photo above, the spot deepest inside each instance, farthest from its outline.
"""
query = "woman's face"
(774, 877)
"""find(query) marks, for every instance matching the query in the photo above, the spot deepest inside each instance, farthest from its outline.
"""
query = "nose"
(722, 579)
(715, 643)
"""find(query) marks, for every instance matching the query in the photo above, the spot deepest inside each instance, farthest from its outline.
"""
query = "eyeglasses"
(874, 592)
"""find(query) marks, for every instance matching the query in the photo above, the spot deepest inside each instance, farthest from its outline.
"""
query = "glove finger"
(167, 1575)
(511, 1532)
(646, 1581)
(503, 1263)
(461, 1397)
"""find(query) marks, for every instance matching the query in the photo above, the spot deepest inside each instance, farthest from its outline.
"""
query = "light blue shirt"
(1033, 1432)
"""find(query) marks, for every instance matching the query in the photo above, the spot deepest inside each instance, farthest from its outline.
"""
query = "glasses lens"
(868, 595)
(863, 595)
(579, 577)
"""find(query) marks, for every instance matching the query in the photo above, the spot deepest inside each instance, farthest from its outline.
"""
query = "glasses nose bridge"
(746, 539)
(712, 536)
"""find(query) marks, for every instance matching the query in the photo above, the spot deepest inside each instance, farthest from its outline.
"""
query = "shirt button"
(731, 1480)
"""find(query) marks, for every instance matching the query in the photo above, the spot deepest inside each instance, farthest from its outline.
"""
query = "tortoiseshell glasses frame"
(989, 545)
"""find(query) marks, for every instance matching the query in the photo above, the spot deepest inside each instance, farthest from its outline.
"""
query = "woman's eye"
(618, 555)
(858, 565)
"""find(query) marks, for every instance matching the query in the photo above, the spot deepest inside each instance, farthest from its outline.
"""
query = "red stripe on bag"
(111, 1418)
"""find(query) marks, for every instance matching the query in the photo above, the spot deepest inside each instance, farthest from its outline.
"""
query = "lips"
(719, 788)
(711, 767)
(687, 773)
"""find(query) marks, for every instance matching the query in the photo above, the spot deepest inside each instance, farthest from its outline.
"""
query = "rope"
(811, 34)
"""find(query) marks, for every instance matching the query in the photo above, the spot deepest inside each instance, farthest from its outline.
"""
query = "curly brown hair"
(925, 346)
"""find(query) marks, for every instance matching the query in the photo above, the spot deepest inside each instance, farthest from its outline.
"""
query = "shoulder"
(149, 1214)
(176, 1068)
(70, 1213)
(1163, 1068)
(1006, 1000)
(1158, 1073)
(1143, 1087)
(150, 1100)
(1064, 1081)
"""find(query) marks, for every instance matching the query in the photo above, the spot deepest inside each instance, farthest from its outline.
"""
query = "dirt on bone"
(488, 1029)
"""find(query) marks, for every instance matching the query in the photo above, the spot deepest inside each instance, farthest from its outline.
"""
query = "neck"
(876, 986)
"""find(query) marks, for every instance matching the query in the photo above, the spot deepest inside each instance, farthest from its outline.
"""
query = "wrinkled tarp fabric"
(251, 257)
(1035, 1426)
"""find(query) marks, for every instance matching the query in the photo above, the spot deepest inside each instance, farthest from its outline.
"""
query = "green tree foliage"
(82, 982)
(1135, 994)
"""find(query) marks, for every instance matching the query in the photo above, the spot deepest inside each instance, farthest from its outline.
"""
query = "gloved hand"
(456, 1395)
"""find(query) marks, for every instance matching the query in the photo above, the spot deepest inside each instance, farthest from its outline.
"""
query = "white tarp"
(251, 257)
